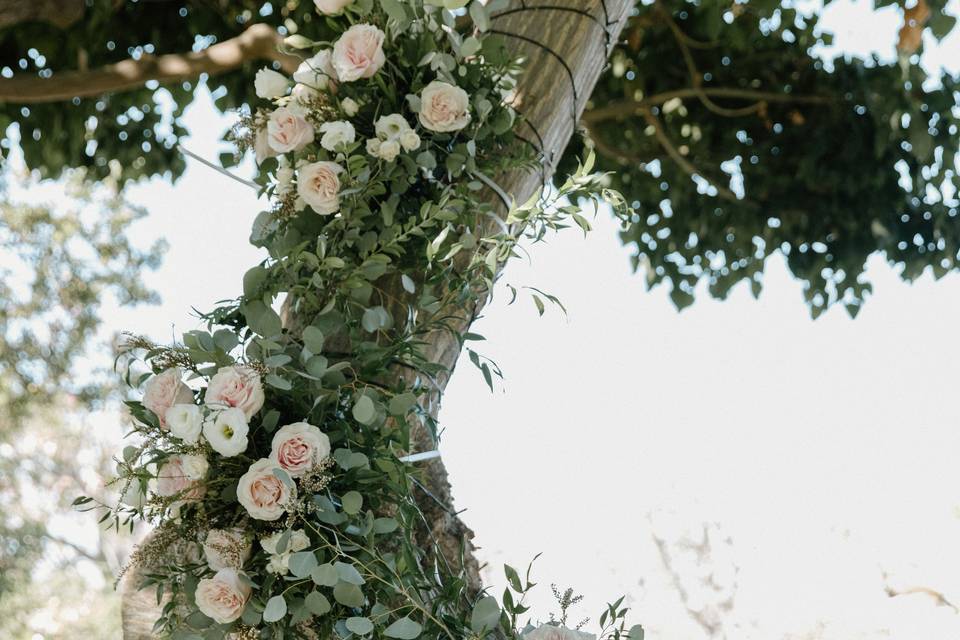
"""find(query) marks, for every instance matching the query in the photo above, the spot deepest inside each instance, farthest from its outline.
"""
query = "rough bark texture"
(566, 43)
(259, 42)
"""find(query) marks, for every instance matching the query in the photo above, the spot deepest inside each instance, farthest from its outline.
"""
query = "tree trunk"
(566, 44)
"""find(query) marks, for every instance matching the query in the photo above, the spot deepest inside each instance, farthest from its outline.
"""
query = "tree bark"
(566, 44)
(258, 42)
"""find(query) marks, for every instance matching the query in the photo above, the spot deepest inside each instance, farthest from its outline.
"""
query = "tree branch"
(631, 108)
(259, 41)
(59, 13)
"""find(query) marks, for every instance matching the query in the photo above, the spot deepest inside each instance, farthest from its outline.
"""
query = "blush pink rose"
(318, 183)
(298, 447)
(331, 7)
(358, 53)
(237, 386)
(262, 493)
(223, 597)
(182, 476)
(288, 130)
(444, 107)
(165, 390)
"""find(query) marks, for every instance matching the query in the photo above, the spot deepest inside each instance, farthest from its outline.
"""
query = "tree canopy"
(733, 138)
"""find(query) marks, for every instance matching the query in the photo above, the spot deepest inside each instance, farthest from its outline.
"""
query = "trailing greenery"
(283, 479)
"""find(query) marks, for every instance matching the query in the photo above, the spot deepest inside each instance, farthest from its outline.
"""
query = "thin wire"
(204, 161)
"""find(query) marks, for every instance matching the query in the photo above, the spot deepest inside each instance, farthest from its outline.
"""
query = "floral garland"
(272, 454)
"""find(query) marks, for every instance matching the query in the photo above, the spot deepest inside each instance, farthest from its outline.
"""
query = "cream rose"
(235, 386)
(185, 422)
(298, 447)
(336, 133)
(317, 72)
(223, 596)
(182, 476)
(550, 632)
(164, 390)
(444, 107)
(226, 431)
(287, 130)
(262, 493)
(319, 186)
(270, 84)
(226, 548)
(331, 7)
(358, 53)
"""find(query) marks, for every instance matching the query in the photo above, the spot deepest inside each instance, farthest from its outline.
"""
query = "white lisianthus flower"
(444, 107)
(270, 84)
(164, 390)
(298, 447)
(358, 53)
(373, 147)
(317, 72)
(298, 542)
(389, 150)
(288, 130)
(262, 493)
(185, 421)
(336, 133)
(226, 431)
(226, 548)
(409, 140)
(331, 7)
(550, 632)
(391, 127)
(237, 386)
(223, 597)
(319, 186)
(350, 107)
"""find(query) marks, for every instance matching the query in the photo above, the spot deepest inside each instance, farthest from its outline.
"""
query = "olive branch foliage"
(427, 221)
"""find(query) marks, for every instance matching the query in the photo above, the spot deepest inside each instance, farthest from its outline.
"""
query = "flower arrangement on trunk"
(272, 452)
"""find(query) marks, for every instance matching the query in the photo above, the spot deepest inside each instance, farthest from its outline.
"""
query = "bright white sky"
(826, 450)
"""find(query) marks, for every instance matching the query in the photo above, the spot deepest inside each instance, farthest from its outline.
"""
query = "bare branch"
(259, 41)
(59, 13)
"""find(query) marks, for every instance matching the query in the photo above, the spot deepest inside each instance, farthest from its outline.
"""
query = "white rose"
(226, 431)
(262, 493)
(319, 186)
(298, 447)
(444, 107)
(409, 140)
(391, 127)
(317, 72)
(222, 597)
(389, 150)
(185, 421)
(288, 130)
(350, 107)
(549, 632)
(331, 7)
(358, 53)
(336, 133)
(226, 548)
(237, 386)
(164, 390)
(270, 84)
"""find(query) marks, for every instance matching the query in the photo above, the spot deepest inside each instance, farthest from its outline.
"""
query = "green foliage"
(826, 163)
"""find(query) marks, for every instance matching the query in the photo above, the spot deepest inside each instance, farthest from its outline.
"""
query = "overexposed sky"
(825, 450)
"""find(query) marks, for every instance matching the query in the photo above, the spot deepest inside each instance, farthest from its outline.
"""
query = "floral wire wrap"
(270, 456)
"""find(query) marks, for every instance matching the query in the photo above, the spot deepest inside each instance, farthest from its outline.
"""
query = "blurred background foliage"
(723, 125)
